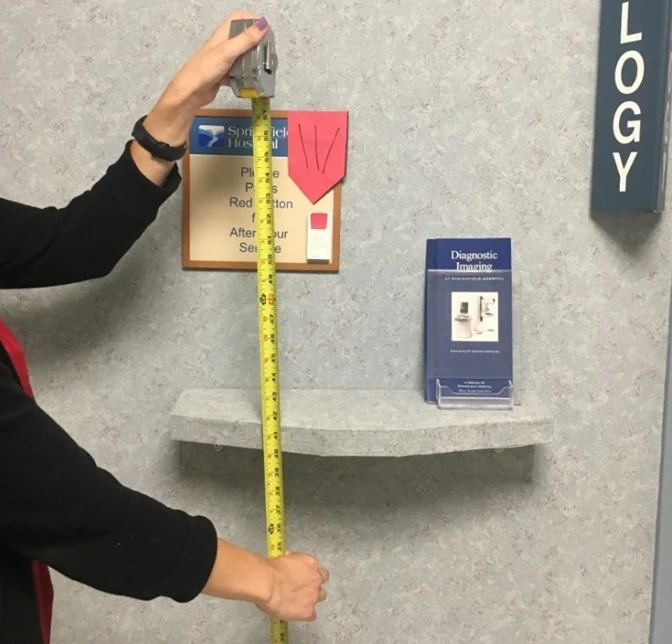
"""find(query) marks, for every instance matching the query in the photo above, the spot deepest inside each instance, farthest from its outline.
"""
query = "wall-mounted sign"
(309, 160)
(632, 108)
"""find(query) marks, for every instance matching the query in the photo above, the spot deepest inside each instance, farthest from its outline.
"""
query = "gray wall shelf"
(345, 422)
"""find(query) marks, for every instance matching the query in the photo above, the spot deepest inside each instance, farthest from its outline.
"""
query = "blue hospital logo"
(232, 136)
(211, 136)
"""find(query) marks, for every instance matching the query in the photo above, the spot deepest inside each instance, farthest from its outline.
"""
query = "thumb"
(228, 51)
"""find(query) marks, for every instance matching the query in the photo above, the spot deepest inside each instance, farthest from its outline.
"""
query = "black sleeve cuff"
(194, 567)
(137, 192)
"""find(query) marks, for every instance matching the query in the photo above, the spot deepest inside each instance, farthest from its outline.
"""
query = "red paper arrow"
(317, 145)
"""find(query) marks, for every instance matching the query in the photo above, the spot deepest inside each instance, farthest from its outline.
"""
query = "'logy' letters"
(634, 126)
(632, 106)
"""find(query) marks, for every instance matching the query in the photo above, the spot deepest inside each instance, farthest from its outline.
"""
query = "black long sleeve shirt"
(56, 504)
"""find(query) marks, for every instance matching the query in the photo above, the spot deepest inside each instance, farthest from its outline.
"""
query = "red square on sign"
(318, 220)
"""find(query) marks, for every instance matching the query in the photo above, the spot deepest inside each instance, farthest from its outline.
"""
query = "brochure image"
(476, 319)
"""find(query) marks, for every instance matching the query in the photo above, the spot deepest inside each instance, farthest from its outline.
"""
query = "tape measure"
(268, 339)
(253, 77)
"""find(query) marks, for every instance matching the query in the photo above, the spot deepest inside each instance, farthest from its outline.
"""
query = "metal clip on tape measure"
(253, 77)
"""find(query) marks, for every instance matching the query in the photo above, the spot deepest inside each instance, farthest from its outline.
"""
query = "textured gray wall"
(661, 618)
(468, 118)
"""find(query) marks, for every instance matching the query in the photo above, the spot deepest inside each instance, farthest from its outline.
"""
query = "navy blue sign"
(632, 110)
(232, 136)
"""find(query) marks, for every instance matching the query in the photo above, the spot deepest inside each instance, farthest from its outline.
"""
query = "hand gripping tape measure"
(253, 76)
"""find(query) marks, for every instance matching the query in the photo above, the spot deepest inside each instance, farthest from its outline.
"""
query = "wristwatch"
(157, 149)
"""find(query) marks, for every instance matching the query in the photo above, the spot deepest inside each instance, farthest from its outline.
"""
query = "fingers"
(221, 34)
(309, 559)
(324, 573)
(229, 50)
(305, 556)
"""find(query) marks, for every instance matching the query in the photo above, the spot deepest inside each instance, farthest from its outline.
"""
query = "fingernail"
(262, 23)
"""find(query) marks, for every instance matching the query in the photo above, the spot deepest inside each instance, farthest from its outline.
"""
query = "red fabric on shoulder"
(41, 578)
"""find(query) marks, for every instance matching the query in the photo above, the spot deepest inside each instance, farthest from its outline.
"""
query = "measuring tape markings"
(268, 325)
(268, 337)
(253, 77)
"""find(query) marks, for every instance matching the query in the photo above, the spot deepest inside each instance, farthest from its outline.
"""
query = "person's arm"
(56, 505)
(86, 238)
(59, 507)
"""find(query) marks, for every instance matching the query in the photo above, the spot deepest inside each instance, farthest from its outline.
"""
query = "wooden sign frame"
(187, 171)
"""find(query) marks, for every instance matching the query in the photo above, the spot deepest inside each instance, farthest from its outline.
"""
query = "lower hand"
(287, 588)
(297, 588)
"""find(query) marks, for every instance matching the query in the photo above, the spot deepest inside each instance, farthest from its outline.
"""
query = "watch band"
(157, 149)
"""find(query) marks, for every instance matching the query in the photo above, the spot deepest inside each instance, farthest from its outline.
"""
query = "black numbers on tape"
(274, 528)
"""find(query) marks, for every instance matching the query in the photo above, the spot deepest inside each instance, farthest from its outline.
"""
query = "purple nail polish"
(262, 23)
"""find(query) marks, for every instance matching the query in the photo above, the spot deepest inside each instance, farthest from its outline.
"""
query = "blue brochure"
(468, 337)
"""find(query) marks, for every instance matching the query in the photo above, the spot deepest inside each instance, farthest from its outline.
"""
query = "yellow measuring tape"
(253, 76)
(268, 339)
